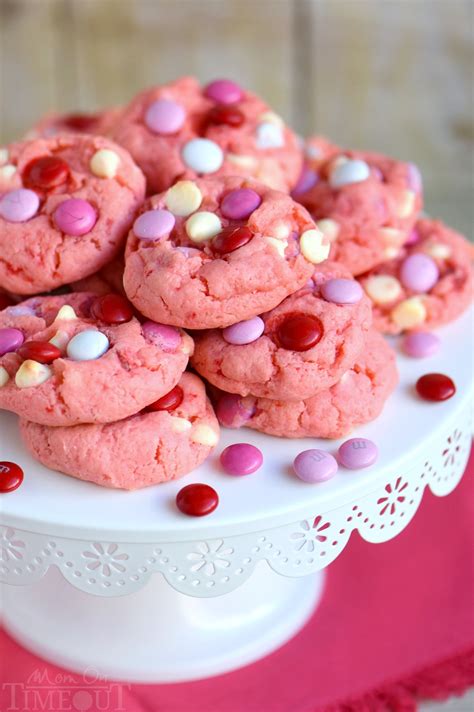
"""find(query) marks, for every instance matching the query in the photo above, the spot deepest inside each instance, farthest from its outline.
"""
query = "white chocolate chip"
(180, 425)
(204, 435)
(392, 236)
(4, 377)
(32, 373)
(407, 204)
(183, 198)
(104, 163)
(66, 313)
(437, 250)
(279, 245)
(187, 344)
(329, 228)
(60, 340)
(348, 172)
(272, 118)
(383, 288)
(202, 226)
(281, 231)
(314, 246)
(409, 313)
(389, 253)
(4, 155)
(241, 160)
(7, 171)
(269, 135)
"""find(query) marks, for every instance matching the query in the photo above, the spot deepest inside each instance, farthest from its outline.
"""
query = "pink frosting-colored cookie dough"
(317, 150)
(265, 368)
(248, 139)
(142, 450)
(99, 123)
(175, 274)
(356, 399)
(366, 207)
(401, 302)
(108, 279)
(45, 244)
(141, 364)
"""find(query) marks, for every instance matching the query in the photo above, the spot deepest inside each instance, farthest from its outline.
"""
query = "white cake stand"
(125, 584)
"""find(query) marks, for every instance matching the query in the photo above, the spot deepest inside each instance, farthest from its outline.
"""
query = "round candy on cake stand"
(123, 582)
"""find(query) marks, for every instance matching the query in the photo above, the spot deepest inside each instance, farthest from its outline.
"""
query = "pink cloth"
(396, 623)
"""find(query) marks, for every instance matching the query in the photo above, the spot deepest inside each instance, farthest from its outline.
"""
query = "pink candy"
(342, 291)
(419, 273)
(75, 217)
(420, 344)
(231, 411)
(10, 340)
(315, 466)
(19, 205)
(241, 459)
(223, 91)
(166, 337)
(240, 203)
(153, 224)
(165, 117)
(244, 332)
(357, 453)
(306, 181)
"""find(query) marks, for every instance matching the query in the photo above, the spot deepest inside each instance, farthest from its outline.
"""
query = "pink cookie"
(317, 150)
(142, 450)
(52, 124)
(357, 399)
(90, 366)
(183, 130)
(69, 215)
(429, 284)
(366, 204)
(308, 342)
(211, 252)
(108, 279)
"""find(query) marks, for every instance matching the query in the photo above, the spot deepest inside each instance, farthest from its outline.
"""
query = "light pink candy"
(419, 273)
(153, 224)
(75, 217)
(342, 291)
(19, 205)
(166, 337)
(165, 117)
(244, 332)
(223, 91)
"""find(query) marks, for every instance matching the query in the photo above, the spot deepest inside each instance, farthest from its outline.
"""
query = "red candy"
(228, 115)
(197, 500)
(231, 238)
(46, 172)
(41, 351)
(299, 332)
(5, 301)
(80, 122)
(435, 387)
(168, 402)
(11, 476)
(112, 309)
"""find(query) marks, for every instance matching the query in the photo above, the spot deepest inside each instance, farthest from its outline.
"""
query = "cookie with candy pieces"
(99, 123)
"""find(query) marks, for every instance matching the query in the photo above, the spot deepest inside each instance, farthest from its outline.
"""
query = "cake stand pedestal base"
(158, 634)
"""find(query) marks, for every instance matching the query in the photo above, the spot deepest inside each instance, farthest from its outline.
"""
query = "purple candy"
(413, 237)
(342, 291)
(165, 117)
(357, 453)
(232, 412)
(244, 332)
(420, 344)
(241, 459)
(240, 203)
(166, 337)
(19, 205)
(419, 273)
(223, 91)
(306, 181)
(315, 466)
(10, 340)
(153, 224)
(415, 181)
(75, 217)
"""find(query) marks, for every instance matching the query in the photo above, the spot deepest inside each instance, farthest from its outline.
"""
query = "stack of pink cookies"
(196, 208)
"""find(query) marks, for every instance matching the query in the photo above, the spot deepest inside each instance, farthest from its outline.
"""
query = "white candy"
(329, 228)
(314, 246)
(409, 313)
(183, 198)
(202, 155)
(269, 135)
(383, 288)
(104, 163)
(4, 377)
(242, 160)
(8, 171)
(438, 251)
(32, 373)
(407, 204)
(204, 435)
(202, 226)
(187, 344)
(281, 231)
(4, 155)
(279, 245)
(87, 345)
(180, 425)
(350, 171)
(66, 313)
(271, 118)
(392, 236)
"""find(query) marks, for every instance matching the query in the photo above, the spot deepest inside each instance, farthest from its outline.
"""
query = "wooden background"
(392, 75)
